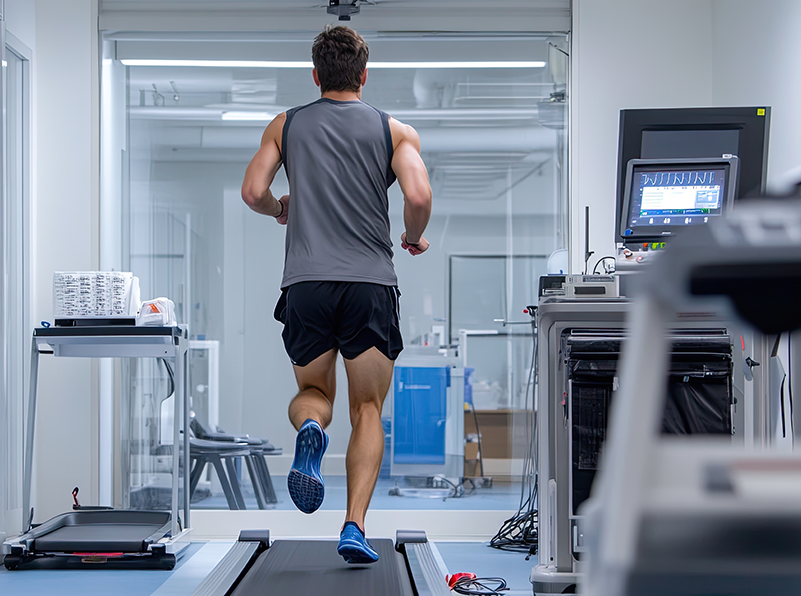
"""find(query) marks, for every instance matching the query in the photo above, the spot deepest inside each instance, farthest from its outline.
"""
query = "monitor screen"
(662, 196)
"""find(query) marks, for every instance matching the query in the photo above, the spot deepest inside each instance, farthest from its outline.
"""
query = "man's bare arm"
(413, 179)
(261, 172)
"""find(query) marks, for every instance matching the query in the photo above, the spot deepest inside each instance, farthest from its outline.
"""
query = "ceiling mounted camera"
(343, 8)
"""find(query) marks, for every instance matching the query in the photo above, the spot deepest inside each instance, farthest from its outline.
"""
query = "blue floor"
(92, 582)
(200, 558)
(503, 496)
(479, 558)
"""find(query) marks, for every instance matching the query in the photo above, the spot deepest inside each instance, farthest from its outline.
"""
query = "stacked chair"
(224, 452)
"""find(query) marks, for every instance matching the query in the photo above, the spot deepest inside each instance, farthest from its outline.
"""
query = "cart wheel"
(167, 562)
(11, 562)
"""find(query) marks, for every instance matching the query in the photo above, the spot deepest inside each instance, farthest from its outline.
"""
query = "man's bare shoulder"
(403, 132)
(274, 131)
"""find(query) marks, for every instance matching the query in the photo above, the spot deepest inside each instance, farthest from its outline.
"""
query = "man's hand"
(285, 202)
(415, 249)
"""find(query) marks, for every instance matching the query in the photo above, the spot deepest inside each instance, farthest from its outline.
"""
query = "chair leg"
(196, 473)
(223, 478)
(231, 465)
(266, 480)
(254, 480)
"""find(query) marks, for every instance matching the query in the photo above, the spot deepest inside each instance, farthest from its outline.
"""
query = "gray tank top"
(337, 157)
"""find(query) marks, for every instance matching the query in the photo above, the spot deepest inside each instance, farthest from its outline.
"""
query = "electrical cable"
(477, 586)
(171, 374)
(456, 491)
(790, 377)
(478, 435)
(519, 533)
(601, 260)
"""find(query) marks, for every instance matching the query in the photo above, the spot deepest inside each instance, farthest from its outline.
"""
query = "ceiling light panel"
(307, 64)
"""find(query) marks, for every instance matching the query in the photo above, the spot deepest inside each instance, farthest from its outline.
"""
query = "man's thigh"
(319, 374)
(369, 378)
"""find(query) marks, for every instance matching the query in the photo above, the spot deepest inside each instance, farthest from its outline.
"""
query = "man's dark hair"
(340, 57)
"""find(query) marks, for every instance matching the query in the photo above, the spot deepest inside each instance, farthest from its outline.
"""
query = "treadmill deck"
(313, 567)
(127, 538)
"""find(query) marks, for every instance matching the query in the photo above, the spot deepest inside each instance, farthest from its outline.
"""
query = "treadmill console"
(663, 196)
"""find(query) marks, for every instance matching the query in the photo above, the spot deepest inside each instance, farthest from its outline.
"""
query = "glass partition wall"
(494, 142)
(15, 299)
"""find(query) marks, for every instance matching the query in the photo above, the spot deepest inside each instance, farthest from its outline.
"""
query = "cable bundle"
(519, 532)
(479, 586)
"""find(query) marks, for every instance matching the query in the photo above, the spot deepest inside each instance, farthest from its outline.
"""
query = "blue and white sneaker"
(353, 546)
(305, 482)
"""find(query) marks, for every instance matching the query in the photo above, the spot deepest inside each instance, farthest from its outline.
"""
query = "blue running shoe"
(353, 546)
(305, 482)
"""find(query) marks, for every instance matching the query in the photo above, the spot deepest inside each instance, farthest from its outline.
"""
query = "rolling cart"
(103, 536)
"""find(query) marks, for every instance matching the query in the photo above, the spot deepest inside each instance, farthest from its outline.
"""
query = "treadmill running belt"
(313, 568)
(126, 538)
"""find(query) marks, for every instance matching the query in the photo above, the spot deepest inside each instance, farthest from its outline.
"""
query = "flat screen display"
(694, 133)
(663, 198)
(659, 144)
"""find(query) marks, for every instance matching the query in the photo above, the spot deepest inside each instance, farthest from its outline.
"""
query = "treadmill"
(101, 536)
(115, 539)
(254, 566)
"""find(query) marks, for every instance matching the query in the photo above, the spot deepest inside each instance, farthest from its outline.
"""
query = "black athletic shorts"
(350, 316)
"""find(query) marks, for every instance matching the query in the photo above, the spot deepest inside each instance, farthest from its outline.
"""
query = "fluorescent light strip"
(247, 116)
(289, 64)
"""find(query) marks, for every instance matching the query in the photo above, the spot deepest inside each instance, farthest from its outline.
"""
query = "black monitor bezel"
(729, 163)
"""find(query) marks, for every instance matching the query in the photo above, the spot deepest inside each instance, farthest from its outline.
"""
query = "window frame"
(12, 519)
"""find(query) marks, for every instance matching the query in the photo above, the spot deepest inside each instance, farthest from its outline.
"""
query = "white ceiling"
(296, 15)
(250, 5)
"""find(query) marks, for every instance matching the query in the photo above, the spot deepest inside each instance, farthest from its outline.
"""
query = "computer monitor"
(695, 133)
(663, 195)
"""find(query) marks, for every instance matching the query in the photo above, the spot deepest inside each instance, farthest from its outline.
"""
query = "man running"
(339, 290)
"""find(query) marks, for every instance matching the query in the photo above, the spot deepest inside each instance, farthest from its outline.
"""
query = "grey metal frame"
(69, 342)
(555, 570)
(559, 529)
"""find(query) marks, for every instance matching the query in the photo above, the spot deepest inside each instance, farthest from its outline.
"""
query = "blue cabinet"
(420, 409)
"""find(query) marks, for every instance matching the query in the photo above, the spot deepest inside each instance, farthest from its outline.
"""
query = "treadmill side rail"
(255, 536)
(224, 576)
(428, 576)
(409, 536)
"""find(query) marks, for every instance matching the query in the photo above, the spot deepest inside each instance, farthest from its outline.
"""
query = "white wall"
(65, 238)
(627, 54)
(688, 53)
(21, 20)
(757, 53)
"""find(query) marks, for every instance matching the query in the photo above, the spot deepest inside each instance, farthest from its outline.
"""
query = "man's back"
(338, 155)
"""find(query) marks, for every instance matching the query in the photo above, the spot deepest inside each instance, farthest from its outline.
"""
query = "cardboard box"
(503, 432)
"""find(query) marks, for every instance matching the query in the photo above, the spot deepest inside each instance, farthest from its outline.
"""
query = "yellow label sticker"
(760, 111)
